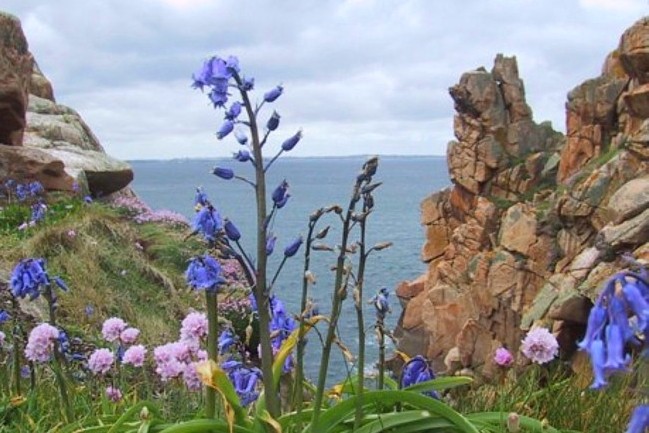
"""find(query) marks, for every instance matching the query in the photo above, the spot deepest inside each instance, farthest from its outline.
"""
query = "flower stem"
(358, 303)
(211, 301)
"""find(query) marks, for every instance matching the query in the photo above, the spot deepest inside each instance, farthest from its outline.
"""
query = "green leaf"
(500, 419)
(440, 383)
(204, 426)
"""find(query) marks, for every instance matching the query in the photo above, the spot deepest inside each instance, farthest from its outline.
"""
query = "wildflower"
(35, 188)
(129, 335)
(4, 316)
(273, 94)
(540, 346)
(225, 129)
(87, 199)
(290, 142)
(513, 422)
(113, 394)
(100, 361)
(208, 222)
(273, 122)
(200, 199)
(194, 327)
(171, 359)
(639, 419)
(38, 212)
(2, 338)
(72, 234)
(279, 193)
(503, 357)
(244, 380)
(223, 173)
(27, 277)
(231, 231)
(226, 340)
(112, 329)
(381, 304)
(292, 248)
(242, 156)
(233, 112)
(191, 377)
(204, 272)
(240, 136)
(417, 370)
(134, 355)
(247, 84)
(89, 310)
(270, 244)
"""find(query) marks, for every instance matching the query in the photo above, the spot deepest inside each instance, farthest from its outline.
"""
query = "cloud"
(361, 76)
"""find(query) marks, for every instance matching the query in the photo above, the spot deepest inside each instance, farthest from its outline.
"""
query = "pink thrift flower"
(100, 361)
(540, 346)
(129, 335)
(113, 394)
(40, 343)
(194, 326)
(191, 378)
(134, 355)
(2, 338)
(112, 328)
(72, 234)
(503, 357)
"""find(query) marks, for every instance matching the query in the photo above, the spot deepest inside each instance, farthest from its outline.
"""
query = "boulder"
(15, 72)
(24, 163)
(630, 200)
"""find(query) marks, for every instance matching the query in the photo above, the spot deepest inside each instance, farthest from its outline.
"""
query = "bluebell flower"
(415, 371)
(290, 142)
(292, 248)
(279, 194)
(232, 64)
(273, 94)
(204, 272)
(245, 382)
(59, 282)
(241, 137)
(273, 122)
(27, 278)
(233, 112)
(4, 316)
(63, 340)
(242, 156)
(225, 129)
(87, 199)
(639, 419)
(201, 197)
(226, 340)
(35, 188)
(22, 192)
(381, 304)
(89, 310)
(281, 325)
(208, 223)
(218, 98)
(25, 372)
(270, 244)
(223, 173)
(247, 84)
(231, 231)
(253, 302)
(38, 212)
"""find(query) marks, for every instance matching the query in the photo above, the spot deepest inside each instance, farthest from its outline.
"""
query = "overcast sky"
(360, 76)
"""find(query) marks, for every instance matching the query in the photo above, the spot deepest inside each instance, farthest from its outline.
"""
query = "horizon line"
(360, 155)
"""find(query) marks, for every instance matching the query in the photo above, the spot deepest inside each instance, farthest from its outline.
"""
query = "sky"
(359, 76)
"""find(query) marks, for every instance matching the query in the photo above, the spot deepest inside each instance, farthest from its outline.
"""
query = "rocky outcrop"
(534, 221)
(59, 149)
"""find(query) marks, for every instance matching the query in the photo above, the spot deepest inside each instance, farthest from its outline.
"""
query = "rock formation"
(534, 221)
(40, 139)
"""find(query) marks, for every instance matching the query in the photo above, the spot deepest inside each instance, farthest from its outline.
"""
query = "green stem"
(380, 327)
(17, 351)
(260, 291)
(358, 303)
(211, 301)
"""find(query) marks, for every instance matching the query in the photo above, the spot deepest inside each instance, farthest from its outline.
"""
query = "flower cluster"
(417, 370)
(540, 346)
(142, 213)
(22, 191)
(204, 272)
(281, 326)
(30, 276)
(100, 361)
(41, 343)
(503, 357)
(116, 330)
(244, 380)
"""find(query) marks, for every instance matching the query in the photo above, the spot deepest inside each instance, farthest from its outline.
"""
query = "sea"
(315, 182)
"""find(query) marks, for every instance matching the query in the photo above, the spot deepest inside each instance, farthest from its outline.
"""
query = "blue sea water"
(315, 183)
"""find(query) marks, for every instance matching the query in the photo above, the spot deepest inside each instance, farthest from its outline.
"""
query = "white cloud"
(636, 6)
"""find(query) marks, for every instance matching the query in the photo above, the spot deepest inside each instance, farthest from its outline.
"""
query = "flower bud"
(273, 122)
(225, 129)
(241, 137)
(513, 423)
(293, 247)
(231, 231)
(247, 84)
(273, 94)
(382, 245)
(242, 156)
(280, 192)
(270, 245)
(223, 173)
(290, 142)
(234, 111)
(322, 233)
(321, 247)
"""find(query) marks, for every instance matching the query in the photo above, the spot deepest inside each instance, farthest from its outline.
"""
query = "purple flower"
(191, 378)
(38, 212)
(279, 194)
(273, 122)
(208, 222)
(290, 142)
(40, 343)
(112, 328)
(129, 335)
(247, 84)
(204, 272)
(223, 173)
(225, 129)
(270, 244)
(240, 136)
(201, 197)
(231, 231)
(292, 248)
(503, 357)
(100, 361)
(597, 354)
(35, 188)
(113, 394)
(416, 371)
(4, 316)
(134, 355)
(540, 346)
(381, 304)
(244, 380)
(226, 340)
(194, 327)
(27, 278)
(234, 111)
(242, 156)
(273, 94)
(639, 419)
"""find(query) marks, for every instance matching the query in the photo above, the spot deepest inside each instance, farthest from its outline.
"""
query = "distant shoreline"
(288, 158)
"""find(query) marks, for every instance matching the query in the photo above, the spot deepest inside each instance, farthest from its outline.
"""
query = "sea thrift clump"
(100, 361)
(113, 394)
(129, 335)
(191, 377)
(40, 343)
(503, 357)
(171, 359)
(194, 327)
(134, 355)
(2, 338)
(540, 346)
(113, 328)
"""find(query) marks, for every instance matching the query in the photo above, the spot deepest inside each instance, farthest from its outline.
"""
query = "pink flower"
(190, 376)
(503, 357)
(540, 346)
(112, 328)
(100, 361)
(171, 359)
(113, 394)
(135, 355)
(129, 335)
(194, 326)
(72, 234)
(40, 343)
(2, 338)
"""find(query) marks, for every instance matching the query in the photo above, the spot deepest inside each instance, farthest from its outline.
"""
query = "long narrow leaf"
(440, 383)
(204, 426)
(498, 418)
